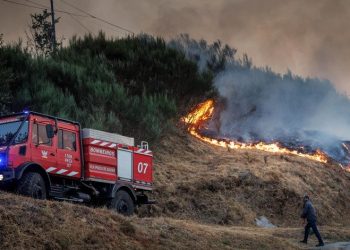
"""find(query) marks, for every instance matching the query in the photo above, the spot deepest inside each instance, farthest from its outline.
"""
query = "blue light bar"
(2, 160)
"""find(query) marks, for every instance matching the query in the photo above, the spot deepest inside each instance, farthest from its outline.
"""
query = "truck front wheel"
(123, 203)
(32, 184)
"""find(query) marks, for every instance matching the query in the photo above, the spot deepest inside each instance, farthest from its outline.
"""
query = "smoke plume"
(265, 105)
(304, 114)
(299, 113)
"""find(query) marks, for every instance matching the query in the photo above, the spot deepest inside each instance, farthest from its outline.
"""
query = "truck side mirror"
(50, 133)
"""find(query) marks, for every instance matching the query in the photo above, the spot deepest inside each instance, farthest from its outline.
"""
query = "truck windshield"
(7, 131)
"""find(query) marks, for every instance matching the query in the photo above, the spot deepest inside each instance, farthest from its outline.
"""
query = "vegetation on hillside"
(132, 85)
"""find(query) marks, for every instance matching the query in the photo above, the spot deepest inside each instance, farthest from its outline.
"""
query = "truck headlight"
(3, 160)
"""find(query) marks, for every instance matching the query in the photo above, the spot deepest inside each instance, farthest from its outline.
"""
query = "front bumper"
(6, 175)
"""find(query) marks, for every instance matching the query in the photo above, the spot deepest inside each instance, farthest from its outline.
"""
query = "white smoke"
(266, 105)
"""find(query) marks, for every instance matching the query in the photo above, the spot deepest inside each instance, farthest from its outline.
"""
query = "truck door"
(42, 148)
(124, 163)
(68, 153)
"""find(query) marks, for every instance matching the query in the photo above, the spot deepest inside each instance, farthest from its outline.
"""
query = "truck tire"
(123, 203)
(33, 185)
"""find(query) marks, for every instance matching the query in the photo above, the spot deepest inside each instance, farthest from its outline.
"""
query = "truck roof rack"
(110, 137)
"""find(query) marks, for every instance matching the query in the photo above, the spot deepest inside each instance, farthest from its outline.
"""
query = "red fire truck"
(48, 157)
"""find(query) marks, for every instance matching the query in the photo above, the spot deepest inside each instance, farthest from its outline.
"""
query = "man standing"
(309, 215)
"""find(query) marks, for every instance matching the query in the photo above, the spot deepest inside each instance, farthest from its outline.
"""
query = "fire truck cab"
(48, 157)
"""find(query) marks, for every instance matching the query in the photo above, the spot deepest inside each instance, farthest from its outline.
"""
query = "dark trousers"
(315, 229)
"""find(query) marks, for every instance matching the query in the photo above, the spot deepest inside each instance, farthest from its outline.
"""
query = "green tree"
(41, 39)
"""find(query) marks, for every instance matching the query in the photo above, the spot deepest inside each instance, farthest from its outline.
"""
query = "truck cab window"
(66, 140)
(9, 129)
(39, 136)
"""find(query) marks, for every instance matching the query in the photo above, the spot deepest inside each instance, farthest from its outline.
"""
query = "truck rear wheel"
(123, 203)
(32, 184)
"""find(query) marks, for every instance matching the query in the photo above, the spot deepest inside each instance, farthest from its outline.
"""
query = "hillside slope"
(213, 185)
(207, 197)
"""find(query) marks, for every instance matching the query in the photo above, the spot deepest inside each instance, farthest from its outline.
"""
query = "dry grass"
(208, 199)
(29, 224)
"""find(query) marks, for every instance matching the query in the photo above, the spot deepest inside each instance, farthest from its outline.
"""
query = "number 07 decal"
(142, 167)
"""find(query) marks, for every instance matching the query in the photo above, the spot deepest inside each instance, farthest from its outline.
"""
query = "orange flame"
(204, 112)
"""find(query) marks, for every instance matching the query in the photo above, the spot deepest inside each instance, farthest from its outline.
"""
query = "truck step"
(57, 191)
(62, 193)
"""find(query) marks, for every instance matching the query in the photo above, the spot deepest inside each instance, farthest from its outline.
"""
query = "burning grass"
(196, 121)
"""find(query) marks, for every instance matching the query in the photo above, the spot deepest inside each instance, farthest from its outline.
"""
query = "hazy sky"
(310, 37)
